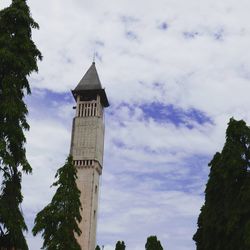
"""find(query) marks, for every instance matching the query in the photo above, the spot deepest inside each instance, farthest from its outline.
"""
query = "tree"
(58, 221)
(97, 248)
(18, 59)
(120, 245)
(10, 213)
(153, 243)
(224, 221)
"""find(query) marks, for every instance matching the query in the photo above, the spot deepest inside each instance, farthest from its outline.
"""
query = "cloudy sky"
(175, 71)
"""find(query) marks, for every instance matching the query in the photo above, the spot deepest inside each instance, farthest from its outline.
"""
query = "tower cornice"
(92, 92)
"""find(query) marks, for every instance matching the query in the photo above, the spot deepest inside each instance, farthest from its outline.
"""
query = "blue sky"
(174, 71)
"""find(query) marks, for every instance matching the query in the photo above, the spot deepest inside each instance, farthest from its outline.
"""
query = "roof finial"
(94, 57)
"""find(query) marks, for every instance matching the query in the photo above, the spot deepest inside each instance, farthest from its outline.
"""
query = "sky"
(175, 71)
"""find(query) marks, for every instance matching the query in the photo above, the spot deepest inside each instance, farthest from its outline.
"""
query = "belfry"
(87, 145)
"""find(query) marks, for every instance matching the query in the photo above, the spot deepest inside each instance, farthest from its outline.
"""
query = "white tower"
(87, 145)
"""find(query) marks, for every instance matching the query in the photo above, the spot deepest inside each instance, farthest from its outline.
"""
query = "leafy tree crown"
(120, 245)
(225, 217)
(58, 221)
(18, 59)
(153, 243)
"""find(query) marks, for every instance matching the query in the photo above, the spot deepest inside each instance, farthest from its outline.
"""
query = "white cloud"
(200, 60)
(5, 3)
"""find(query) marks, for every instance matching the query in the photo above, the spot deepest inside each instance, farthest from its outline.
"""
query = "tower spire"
(91, 85)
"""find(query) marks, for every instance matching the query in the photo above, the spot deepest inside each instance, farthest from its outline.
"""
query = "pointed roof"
(90, 85)
(90, 80)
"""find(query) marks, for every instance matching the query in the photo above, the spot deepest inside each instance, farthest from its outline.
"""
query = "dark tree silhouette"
(153, 243)
(18, 59)
(120, 245)
(59, 220)
(224, 221)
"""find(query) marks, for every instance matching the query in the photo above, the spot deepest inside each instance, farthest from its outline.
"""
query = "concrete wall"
(88, 184)
(87, 139)
(87, 144)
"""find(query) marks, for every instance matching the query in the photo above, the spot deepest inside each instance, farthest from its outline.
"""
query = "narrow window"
(90, 113)
(79, 111)
(82, 109)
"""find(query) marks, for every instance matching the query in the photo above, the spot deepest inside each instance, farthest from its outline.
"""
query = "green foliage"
(97, 248)
(225, 217)
(18, 59)
(120, 245)
(58, 220)
(153, 243)
(10, 213)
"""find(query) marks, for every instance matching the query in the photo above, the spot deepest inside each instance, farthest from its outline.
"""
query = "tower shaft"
(87, 151)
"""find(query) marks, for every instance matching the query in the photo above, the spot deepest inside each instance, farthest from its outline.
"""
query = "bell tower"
(87, 144)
